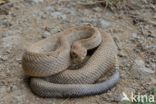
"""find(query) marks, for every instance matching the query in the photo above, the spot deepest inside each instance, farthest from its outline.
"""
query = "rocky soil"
(132, 25)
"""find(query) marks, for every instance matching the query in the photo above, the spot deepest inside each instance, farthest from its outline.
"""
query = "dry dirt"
(132, 25)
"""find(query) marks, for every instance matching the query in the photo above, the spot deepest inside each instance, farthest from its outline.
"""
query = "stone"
(134, 35)
(55, 30)
(11, 41)
(139, 69)
(122, 54)
(46, 34)
(70, 11)
(104, 24)
(151, 47)
(97, 9)
(4, 58)
(91, 21)
(141, 66)
(58, 15)
(34, 1)
(5, 24)
(50, 9)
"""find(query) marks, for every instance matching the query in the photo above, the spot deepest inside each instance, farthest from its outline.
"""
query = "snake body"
(46, 89)
(52, 55)
(50, 58)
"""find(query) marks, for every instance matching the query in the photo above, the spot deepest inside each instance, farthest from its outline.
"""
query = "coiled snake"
(47, 63)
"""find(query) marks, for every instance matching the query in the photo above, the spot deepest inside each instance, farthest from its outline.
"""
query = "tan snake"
(50, 59)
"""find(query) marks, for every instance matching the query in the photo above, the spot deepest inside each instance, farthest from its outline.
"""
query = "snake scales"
(48, 61)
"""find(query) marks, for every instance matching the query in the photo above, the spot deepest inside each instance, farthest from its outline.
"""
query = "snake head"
(78, 53)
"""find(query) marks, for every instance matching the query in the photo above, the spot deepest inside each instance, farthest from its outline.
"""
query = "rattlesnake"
(50, 59)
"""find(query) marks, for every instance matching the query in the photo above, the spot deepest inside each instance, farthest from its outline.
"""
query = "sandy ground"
(133, 27)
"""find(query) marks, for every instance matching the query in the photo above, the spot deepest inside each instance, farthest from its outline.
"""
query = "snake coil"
(47, 63)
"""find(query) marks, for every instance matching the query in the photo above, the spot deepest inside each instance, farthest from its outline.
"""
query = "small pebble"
(97, 9)
(34, 1)
(46, 34)
(58, 15)
(105, 24)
